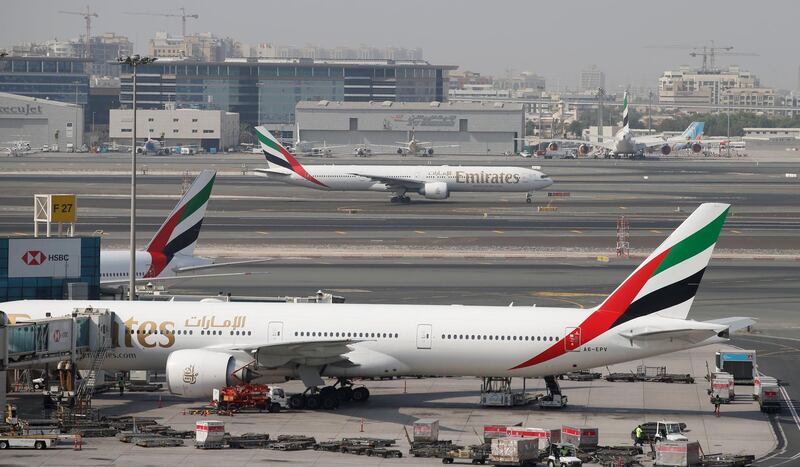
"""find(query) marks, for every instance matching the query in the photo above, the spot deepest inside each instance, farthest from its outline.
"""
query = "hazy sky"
(555, 39)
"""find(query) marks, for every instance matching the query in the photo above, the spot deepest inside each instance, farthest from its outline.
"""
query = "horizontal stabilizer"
(735, 323)
(691, 335)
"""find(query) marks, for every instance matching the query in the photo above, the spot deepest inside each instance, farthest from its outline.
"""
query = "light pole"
(133, 61)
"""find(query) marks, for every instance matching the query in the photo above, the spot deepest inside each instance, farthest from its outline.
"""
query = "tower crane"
(708, 52)
(182, 15)
(87, 16)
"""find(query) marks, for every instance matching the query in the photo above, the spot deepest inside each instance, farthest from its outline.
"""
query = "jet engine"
(435, 190)
(430, 151)
(197, 372)
(584, 149)
(552, 146)
(696, 147)
(666, 149)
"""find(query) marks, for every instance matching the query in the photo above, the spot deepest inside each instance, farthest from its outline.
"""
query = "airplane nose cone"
(547, 182)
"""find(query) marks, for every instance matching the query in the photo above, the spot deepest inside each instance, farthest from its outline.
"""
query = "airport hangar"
(39, 120)
(212, 130)
(476, 128)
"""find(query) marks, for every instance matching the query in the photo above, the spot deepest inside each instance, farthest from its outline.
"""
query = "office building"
(207, 129)
(591, 79)
(40, 121)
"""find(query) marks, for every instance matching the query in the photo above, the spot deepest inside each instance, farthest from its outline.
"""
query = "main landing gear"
(403, 199)
(328, 397)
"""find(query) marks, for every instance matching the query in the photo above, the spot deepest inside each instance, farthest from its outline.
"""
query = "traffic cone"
(362, 425)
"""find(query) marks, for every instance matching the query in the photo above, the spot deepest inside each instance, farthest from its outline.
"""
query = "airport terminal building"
(475, 128)
(40, 121)
(266, 90)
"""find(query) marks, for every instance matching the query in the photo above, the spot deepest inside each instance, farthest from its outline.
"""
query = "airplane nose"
(547, 182)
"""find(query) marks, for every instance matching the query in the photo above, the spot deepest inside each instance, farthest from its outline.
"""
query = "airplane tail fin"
(178, 234)
(694, 131)
(666, 282)
(625, 124)
(279, 158)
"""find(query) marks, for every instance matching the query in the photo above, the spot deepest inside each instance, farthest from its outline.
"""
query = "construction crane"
(87, 16)
(182, 15)
(708, 52)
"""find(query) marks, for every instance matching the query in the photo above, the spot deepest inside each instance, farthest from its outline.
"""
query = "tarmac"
(613, 408)
(473, 249)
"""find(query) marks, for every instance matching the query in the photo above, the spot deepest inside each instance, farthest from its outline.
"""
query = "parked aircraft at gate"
(205, 345)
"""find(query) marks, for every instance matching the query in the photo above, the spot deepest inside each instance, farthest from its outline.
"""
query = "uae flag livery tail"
(178, 234)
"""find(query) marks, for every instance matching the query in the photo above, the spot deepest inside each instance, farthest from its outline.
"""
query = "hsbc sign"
(44, 257)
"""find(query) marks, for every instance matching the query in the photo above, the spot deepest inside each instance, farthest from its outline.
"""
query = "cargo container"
(491, 432)
(426, 430)
(767, 392)
(677, 453)
(209, 434)
(583, 438)
(514, 451)
(722, 385)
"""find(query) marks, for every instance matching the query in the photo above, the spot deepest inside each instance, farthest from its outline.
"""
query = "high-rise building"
(591, 79)
(203, 46)
(104, 50)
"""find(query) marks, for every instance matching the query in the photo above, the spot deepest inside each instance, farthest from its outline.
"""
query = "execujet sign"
(20, 110)
(44, 257)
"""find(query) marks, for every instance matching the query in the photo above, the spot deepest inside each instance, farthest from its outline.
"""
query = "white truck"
(32, 442)
(670, 431)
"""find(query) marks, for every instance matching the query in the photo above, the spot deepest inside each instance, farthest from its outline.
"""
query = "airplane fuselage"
(389, 339)
(457, 178)
(115, 265)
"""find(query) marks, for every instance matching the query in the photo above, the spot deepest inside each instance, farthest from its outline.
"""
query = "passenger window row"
(341, 334)
(478, 337)
(182, 332)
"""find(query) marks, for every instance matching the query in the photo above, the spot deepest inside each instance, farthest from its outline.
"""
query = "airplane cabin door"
(424, 336)
(572, 343)
(275, 332)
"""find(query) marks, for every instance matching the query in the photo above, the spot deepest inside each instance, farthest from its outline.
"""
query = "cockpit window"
(544, 175)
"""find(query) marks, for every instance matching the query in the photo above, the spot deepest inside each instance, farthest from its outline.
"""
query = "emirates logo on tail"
(33, 258)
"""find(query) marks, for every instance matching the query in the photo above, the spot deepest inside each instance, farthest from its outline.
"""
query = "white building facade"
(208, 129)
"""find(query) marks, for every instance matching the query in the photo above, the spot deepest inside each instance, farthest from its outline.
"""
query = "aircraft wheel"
(405, 200)
(345, 394)
(395, 199)
(360, 394)
(327, 390)
(313, 402)
(330, 401)
(297, 401)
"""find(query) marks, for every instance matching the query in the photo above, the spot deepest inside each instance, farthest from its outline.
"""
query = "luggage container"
(426, 430)
(518, 432)
(722, 385)
(491, 432)
(209, 434)
(760, 380)
(514, 451)
(584, 438)
(767, 393)
(677, 453)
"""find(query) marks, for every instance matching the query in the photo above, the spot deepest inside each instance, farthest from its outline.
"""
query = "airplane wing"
(146, 280)
(305, 353)
(446, 146)
(270, 172)
(394, 182)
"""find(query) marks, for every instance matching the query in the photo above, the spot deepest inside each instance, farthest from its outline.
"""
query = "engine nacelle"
(697, 147)
(552, 146)
(197, 372)
(430, 151)
(584, 149)
(666, 149)
(435, 190)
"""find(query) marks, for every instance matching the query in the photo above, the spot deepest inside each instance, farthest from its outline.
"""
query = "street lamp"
(133, 61)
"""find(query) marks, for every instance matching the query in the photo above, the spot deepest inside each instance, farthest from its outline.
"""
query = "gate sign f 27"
(44, 257)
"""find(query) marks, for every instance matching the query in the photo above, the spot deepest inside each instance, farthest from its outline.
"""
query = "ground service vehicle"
(563, 455)
(35, 442)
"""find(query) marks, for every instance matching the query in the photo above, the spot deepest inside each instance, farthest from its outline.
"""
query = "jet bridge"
(50, 341)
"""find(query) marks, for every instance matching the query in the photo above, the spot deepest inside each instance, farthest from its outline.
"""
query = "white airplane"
(625, 143)
(206, 345)
(155, 147)
(432, 182)
(170, 253)
(19, 148)
(414, 147)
